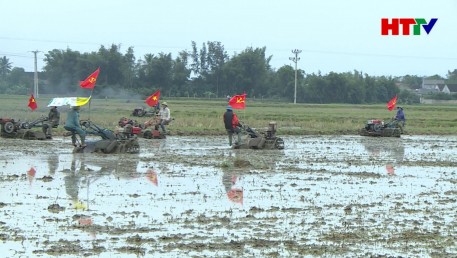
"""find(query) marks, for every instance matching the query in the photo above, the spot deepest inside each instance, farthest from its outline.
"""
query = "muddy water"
(195, 197)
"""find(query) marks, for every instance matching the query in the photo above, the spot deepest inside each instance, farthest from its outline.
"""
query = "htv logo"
(394, 25)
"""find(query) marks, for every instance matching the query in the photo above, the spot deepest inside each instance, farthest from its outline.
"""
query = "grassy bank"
(204, 116)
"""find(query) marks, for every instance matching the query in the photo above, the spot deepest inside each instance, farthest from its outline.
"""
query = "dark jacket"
(230, 120)
(54, 117)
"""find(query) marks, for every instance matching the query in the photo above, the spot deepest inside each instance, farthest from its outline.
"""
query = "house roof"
(452, 87)
(432, 81)
(441, 86)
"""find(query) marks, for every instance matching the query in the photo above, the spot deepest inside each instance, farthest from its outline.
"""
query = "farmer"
(165, 117)
(232, 125)
(52, 122)
(73, 126)
(400, 118)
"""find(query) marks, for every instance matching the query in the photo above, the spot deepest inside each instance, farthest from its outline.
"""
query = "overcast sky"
(338, 36)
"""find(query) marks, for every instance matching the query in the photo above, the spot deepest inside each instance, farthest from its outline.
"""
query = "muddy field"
(323, 196)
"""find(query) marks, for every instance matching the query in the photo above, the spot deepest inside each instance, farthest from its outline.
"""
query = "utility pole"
(35, 76)
(295, 60)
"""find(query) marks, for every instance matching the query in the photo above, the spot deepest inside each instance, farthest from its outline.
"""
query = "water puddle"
(194, 196)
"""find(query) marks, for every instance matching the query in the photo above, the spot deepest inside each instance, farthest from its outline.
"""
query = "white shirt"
(165, 113)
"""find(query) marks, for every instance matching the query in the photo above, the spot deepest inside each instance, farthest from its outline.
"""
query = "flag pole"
(90, 100)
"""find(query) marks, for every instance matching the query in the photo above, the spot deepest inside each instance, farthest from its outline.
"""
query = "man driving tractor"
(52, 122)
(232, 125)
(74, 127)
(161, 119)
(400, 118)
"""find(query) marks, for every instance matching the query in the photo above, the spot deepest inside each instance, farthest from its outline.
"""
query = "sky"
(333, 35)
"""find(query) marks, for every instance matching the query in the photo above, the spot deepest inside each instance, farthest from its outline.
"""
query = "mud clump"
(55, 208)
(240, 163)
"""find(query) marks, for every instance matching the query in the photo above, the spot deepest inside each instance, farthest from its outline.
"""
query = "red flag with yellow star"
(235, 195)
(151, 175)
(391, 104)
(238, 101)
(32, 103)
(153, 99)
(89, 82)
(31, 174)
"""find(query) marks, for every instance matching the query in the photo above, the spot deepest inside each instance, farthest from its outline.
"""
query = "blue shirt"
(400, 115)
(73, 119)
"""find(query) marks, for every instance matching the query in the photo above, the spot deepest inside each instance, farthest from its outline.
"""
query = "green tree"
(452, 76)
(180, 75)
(129, 68)
(203, 59)
(112, 62)
(247, 72)
(355, 93)
(385, 89)
(5, 67)
(315, 89)
(283, 85)
(195, 66)
(61, 68)
(215, 60)
(156, 72)
(371, 91)
(17, 82)
(409, 97)
(412, 81)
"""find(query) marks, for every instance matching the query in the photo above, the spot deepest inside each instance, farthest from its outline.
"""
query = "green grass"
(204, 116)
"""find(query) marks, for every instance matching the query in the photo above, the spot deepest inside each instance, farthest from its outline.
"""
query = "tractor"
(141, 111)
(111, 142)
(11, 128)
(148, 130)
(379, 128)
(266, 139)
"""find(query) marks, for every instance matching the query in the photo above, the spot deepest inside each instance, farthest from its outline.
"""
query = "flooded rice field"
(322, 196)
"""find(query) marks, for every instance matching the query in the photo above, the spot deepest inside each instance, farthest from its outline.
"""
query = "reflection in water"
(233, 187)
(390, 169)
(82, 174)
(84, 171)
(240, 163)
(73, 181)
(390, 149)
(158, 144)
(151, 176)
(192, 207)
(31, 175)
(385, 148)
(53, 164)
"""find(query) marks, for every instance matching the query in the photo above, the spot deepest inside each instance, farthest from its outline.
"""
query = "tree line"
(205, 71)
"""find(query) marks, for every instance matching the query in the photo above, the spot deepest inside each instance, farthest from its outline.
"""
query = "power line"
(327, 52)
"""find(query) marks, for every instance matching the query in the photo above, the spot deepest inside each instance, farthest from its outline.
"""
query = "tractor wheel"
(25, 125)
(132, 147)
(111, 147)
(29, 135)
(377, 127)
(8, 127)
(147, 134)
(121, 148)
(279, 143)
(396, 132)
